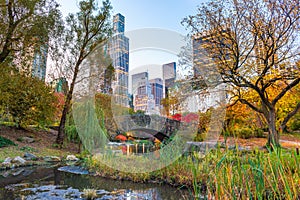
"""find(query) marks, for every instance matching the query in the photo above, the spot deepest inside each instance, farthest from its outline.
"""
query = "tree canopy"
(254, 44)
(26, 100)
(26, 25)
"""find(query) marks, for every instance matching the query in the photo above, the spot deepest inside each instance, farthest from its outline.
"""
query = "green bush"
(259, 133)
(244, 133)
(71, 133)
(295, 125)
(26, 100)
(4, 142)
(248, 132)
(200, 137)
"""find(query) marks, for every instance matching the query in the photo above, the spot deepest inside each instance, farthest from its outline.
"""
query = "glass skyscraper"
(157, 90)
(169, 76)
(118, 49)
(40, 62)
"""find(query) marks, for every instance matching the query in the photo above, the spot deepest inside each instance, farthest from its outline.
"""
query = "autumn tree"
(84, 31)
(172, 102)
(254, 46)
(26, 25)
(28, 100)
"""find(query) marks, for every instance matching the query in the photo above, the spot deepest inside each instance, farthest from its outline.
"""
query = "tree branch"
(244, 101)
(289, 116)
(284, 91)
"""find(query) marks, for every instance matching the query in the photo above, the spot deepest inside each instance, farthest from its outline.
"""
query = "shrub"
(258, 132)
(28, 100)
(4, 142)
(244, 133)
(295, 125)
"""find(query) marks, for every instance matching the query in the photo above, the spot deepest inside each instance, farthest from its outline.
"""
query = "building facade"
(169, 76)
(138, 81)
(118, 49)
(60, 85)
(147, 94)
(39, 63)
(204, 68)
(157, 90)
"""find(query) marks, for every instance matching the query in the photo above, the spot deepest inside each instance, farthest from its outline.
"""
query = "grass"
(14, 151)
(90, 194)
(259, 175)
(226, 174)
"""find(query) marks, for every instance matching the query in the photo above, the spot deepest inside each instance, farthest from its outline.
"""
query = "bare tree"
(254, 45)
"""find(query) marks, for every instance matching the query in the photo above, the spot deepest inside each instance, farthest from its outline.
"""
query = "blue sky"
(139, 14)
(147, 13)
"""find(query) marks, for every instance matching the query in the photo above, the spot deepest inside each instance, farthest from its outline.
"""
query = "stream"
(57, 183)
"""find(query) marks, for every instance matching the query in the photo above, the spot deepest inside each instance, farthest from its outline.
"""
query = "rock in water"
(18, 172)
(73, 169)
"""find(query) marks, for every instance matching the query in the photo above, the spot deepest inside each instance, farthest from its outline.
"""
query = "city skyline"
(148, 14)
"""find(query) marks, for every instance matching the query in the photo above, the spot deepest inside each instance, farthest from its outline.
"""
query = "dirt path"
(42, 145)
(286, 141)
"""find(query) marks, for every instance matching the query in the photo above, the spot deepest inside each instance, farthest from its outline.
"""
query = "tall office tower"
(169, 76)
(140, 91)
(39, 64)
(157, 90)
(205, 70)
(118, 22)
(143, 98)
(261, 55)
(196, 43)
(118, 49)
(139, 81)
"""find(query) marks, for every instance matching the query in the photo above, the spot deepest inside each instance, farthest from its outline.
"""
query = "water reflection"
(49, 183)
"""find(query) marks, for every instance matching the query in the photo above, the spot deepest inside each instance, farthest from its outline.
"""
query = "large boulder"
(18, 159)
(202, 147)
(17, 172)
(73, 169)
(52, 159)
(72, 158)
(7, 161)
(30, 156)
(27, 139)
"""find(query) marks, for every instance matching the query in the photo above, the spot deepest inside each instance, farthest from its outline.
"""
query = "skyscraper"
(118, 49)
(39, 63)
(119, 21)
(147, 93)
(205, 63)
(157, 90)
(140, 91)
(169, 76)
(138, 81)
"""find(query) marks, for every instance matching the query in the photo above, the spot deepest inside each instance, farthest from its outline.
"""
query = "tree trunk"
(61, 129)
(273, 137)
